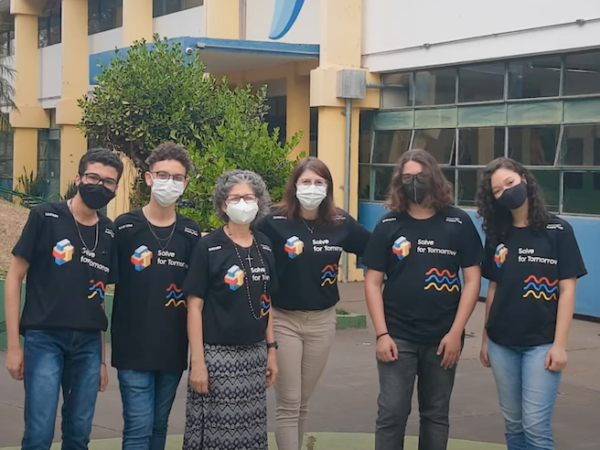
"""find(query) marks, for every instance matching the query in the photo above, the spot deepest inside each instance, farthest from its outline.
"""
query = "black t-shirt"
(421, 259)
(149, 314)
(66, 281)
(236, 285)
(307, 255)
(527, 268)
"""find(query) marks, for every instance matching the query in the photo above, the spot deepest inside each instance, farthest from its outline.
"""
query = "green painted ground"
(323, 441)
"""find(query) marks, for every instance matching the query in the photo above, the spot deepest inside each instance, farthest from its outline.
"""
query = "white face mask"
(242, 212)
(311, 196)
(166, 192)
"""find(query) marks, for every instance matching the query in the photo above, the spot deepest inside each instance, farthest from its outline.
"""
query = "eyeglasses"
(164, 176)
(94, 178)
(235, 199)
(408, 178)
(321, 183)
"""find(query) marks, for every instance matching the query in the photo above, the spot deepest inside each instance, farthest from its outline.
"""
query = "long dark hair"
(440, 192)
(290, 206)
(497, 221)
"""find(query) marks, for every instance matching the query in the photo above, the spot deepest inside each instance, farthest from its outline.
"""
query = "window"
(399, 92)
(382, 178)
(534, 78)
(49, 161)
(479, 146)
(435, 87)
(364, 182)
(7, 36)
(104, 15)
(438, 142)
(533, 146)
(6, 159)
(164, 7)
(364, 137)
(582, 74)
(468, 180)
(390, 146)
(481, 83)
(49, 28)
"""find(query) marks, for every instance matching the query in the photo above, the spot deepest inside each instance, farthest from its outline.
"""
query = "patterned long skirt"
(233, 415)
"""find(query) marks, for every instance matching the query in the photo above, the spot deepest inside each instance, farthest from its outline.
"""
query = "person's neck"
(520, 216)
(239, 233)
(82, 213)
(309, 214)
(161, 216)
(420, 212)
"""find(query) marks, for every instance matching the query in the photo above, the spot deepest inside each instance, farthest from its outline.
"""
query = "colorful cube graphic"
(294, 247)
(234, 278)
(401, 247)
(500, 255)
(141, 258)
(63, 252)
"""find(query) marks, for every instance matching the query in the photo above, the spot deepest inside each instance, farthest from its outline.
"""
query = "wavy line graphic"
(540, 295)
(442, 287)
(442, 273)
(176, 304)
(329, 280)
(442, 280)
(329, 274)
(541, 280)
(97, 289)
(543, 286)
(175, 295)
(332, 267)
(285, 14)
(173, 287)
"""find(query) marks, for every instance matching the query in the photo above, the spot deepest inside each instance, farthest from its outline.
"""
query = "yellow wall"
(222, 19)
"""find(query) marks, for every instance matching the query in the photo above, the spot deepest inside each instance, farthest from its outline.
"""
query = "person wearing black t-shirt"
(68, 253)
(308, 233)
(420, 318)
(532, 262)
(229, 285)
(149, 339)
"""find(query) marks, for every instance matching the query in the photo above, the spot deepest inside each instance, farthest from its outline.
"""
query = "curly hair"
(229, 179)
(496, 220)
(440, 192)
(171, 151)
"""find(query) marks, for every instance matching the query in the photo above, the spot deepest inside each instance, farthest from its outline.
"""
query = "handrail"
(26, 197)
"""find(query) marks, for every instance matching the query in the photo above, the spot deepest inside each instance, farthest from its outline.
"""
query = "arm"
(387, 351)
(198, 370)
(556, 359)
(272, 368)
(103, 369)
(12, 310)
(489, 299)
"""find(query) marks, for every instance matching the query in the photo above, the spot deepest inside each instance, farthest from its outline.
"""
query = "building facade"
(464, 80)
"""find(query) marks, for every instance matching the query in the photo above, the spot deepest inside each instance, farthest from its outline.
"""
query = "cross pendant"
(249, 259)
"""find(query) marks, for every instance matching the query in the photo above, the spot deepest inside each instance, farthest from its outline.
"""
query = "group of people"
(252, 304)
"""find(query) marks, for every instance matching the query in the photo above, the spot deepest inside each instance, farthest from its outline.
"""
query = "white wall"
(259, 15)
(50, 76)
(394, 32)
(189, 22)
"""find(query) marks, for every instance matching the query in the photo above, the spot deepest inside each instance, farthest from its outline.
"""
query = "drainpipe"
(348, 114)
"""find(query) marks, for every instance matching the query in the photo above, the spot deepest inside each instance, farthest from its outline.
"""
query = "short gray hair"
(229, 179)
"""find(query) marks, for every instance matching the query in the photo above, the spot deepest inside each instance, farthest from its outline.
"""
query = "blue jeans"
(147, 401)
(527, 392)
(52, 359)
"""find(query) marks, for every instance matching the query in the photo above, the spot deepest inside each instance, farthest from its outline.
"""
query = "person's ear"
(148, 179)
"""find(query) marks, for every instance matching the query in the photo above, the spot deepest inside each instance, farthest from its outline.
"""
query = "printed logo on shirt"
(265, 305)
(329, 274)
(175, 296)
(51, 214)
(110, 232)
(141, 258)
(190, 231)
(401, 248)
(63, 252)
(500, 255)
(454, 220)
(554, 226)
(234, 278)
(96, 289)
(540, 288)
(294, 247)
(441, 280)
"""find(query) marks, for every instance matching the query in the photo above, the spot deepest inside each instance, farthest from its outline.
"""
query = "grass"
(13, 218)
(342, 312)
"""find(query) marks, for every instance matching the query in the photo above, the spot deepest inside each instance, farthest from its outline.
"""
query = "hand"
(387, 350)
(272, 368)
(451, 348)
(199, 378)
(14, 363)
(556, 359)
(483, 354)
(103, 378)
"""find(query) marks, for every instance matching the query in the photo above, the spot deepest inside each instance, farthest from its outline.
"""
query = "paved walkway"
(343, 408)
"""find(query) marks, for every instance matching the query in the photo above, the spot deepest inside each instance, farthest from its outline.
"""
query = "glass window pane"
(394, 120)
(436, 117)
(173, 6)
(582, 110)
(399, 95)
(383, 178)
(467, 186)
(582, 74)
(479, 146)
(193, 3)
(438, 142)
(390, 145)
(482, 115)
(364, 137)
(581, 193)
(364, 182)
(435, 87)
(581, 146)
(533, 78)
(158, 8)
(533, 146)
(481, 83)
(535, 113)
(549, 182)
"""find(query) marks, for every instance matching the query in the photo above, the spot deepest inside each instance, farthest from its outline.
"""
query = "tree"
(156, 93)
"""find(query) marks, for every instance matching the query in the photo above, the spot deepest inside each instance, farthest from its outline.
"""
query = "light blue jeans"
(527, 392)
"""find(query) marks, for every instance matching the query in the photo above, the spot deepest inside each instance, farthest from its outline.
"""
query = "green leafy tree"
(155, 93)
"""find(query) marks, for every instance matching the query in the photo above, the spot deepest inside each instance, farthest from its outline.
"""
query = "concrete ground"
(343, 408)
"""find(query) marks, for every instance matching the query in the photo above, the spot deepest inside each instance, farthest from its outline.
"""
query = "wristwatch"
(273, 345)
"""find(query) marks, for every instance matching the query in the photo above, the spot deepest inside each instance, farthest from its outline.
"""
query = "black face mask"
(513, 197)
(415, 191)
(95, 196)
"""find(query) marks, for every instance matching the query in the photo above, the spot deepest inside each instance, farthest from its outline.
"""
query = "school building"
(365, 80)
